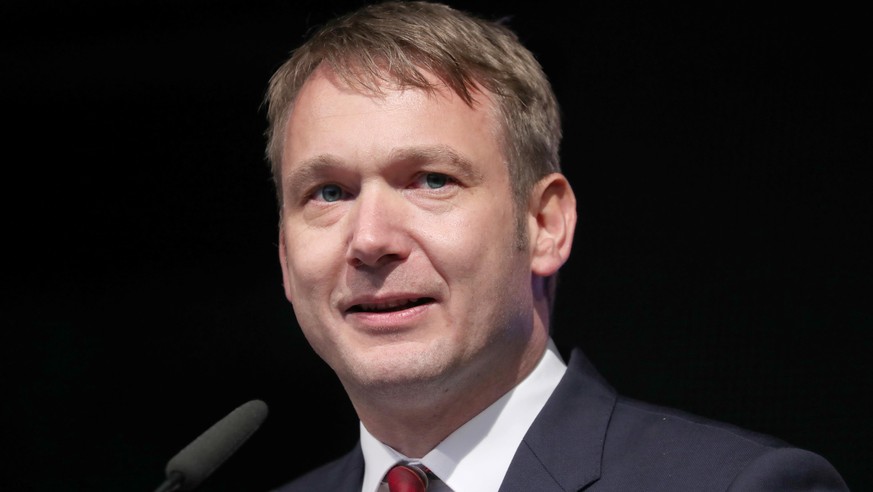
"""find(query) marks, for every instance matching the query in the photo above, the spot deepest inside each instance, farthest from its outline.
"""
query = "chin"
(397, 366)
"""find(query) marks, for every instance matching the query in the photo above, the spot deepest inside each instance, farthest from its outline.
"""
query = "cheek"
(471, 243)
(311, 264)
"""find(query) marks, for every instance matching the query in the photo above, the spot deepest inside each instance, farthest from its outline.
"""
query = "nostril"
(374, 261)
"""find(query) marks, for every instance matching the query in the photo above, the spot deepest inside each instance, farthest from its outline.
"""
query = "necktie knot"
(407, 477)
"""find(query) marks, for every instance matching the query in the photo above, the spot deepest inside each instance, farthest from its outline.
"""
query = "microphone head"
(201, 457)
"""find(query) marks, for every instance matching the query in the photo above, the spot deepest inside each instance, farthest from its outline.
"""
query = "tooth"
(387, 304)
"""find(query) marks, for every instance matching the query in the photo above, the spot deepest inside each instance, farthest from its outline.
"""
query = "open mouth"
(389, 306)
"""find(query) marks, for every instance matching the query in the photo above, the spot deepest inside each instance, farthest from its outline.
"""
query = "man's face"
(398, 240)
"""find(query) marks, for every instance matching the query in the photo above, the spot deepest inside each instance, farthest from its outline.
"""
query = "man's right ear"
(283, 261)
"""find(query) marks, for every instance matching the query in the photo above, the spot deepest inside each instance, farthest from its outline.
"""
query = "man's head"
(400, 42)
(405, 188)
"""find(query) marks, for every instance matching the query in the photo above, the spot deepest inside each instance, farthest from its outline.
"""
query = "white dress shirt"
(476, 456)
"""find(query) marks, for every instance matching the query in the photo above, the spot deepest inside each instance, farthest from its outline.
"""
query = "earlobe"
(553, 214)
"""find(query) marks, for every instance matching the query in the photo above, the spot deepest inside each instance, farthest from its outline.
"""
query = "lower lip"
(389, 321)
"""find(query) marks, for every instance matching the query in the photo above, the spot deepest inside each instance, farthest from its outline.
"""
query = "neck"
(413, 421)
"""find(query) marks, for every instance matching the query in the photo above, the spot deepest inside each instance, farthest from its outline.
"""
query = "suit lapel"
(348, 473)
(563, 448)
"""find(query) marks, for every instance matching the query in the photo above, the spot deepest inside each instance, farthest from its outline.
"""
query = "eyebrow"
(438, 153)
(312, 168)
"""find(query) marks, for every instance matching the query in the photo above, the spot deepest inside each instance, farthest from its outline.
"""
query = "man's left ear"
(552, 224)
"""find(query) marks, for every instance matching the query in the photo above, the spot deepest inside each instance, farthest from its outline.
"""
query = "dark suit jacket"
(587, 437)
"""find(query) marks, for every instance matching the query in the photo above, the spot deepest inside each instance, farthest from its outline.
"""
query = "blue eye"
(436, 180)
(330, 193)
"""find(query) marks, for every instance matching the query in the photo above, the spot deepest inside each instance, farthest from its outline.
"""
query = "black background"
(721, 261)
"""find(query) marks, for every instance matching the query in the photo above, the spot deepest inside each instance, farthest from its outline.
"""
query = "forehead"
(329, 117)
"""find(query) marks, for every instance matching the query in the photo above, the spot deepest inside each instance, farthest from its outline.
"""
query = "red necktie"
(406, 478)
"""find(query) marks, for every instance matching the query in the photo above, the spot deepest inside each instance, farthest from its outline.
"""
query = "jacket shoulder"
(691, 449)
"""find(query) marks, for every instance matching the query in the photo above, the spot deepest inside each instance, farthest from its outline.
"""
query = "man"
(424, 218)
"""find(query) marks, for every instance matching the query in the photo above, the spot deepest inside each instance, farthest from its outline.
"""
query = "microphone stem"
(172, 483)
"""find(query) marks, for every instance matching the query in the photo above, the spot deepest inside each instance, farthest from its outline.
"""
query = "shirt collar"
(477, 455)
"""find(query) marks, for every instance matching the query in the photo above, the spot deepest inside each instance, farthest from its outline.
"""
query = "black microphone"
(199, 459)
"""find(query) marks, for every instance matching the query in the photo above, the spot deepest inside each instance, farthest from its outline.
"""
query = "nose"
(377, 226)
